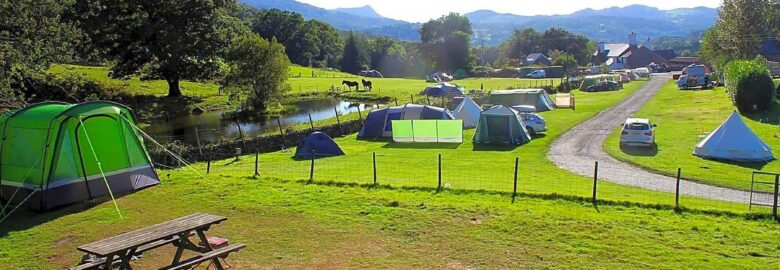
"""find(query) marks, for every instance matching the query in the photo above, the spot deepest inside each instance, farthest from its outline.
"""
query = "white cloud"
(423, 10)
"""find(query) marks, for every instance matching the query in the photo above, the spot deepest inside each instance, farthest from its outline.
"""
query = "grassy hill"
(683, 118)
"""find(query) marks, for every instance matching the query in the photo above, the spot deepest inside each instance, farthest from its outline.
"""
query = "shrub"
(749, 84)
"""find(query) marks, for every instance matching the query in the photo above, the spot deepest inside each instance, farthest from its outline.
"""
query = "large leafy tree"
(173, 39)
(446, 42)
(525, 41)
(307, 43)
(741, 27)
(258, 68)
(32, 36)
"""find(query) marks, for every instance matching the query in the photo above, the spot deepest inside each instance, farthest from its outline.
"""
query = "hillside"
(610, 24)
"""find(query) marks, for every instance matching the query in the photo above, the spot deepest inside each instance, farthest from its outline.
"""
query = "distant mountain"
(344, 19)
(364, 11)
(610, 24)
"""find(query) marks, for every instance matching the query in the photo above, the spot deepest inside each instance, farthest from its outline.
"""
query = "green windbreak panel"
(450, 130)
(135, 151)
(66, 165)
(23, 154)
(103, 135)
(425, 130)
(402, 130)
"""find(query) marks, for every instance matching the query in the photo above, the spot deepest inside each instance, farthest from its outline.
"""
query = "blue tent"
(442, 89)
(318, 144)
(378, 123)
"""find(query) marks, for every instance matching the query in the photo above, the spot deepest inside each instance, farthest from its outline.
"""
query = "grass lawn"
(682, 116)
(465, 166)
(293, 225)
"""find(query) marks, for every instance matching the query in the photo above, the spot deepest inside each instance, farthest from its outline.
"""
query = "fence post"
(411, 96)
(311, 170)
(338, 122)
(257, 160)
(438, 188)
(595, 180)
(360, 115)
(774, 203)
(311, 123)
(428, 98)
(197, 139)
(677, 191)
(241, 136)
(396, 102)
(279, 124)
(514, 188)
(374, 158)
(208, 164)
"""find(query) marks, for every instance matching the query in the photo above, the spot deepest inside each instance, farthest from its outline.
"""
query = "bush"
(749, 84)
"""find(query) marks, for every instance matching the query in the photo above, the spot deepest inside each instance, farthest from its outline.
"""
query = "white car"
(637, 131)
(534, 123)
(537, 74)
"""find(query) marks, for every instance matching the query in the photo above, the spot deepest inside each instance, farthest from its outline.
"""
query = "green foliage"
(446, 42)
(527, 41)
(741, 27)
(177, 40)
(258, 68)
(32, 36)
(355, 56)
(750, 85)
(307, 43)
(565, 60)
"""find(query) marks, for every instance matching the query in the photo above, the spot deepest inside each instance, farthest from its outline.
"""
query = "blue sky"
(423, 10)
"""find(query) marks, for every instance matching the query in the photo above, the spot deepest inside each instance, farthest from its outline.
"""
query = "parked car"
(534, 123)
(603, 86)
(537, 74)
(637, 131)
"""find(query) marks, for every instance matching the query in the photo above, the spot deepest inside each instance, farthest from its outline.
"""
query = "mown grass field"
(292, 225)
(683, 117)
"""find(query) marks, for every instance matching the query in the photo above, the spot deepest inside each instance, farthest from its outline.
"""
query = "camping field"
(683, 117)
(341, 221)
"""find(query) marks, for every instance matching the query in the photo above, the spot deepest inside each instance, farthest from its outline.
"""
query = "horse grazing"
(351, 84)
(367, 85)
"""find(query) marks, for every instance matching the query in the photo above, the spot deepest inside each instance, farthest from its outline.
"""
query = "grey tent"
(537, 98)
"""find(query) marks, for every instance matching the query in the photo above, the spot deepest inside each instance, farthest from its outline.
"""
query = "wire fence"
(505, 174)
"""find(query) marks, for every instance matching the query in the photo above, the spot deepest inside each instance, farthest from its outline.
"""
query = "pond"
(211, 126)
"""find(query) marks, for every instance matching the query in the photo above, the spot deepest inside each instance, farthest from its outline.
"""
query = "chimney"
(602, 47)
(632, 39)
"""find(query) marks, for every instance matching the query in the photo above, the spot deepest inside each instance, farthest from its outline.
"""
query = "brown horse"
(367, 85)
(351, 84)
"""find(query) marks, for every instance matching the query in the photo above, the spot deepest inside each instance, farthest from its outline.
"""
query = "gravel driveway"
(577, 149)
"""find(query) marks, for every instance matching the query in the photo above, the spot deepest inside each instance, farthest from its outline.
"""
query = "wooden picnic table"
(122, 248)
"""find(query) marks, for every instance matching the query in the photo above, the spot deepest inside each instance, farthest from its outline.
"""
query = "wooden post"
(360, 115)
(411, 96)
(338, 122)
(197, 139)
(311, 123)
(241, 135)
(514, 188)
(281, 132)
(311, 170)
(374, 157)
(257, 160)
(208, 165)
(396, 102)
(677, 191)
(439, 186)
(774, 203)
(428, 98)
(595, 181)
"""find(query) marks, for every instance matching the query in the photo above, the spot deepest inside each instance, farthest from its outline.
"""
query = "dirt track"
(577, 150)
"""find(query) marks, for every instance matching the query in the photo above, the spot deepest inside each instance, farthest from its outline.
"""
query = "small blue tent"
(442, 89)
(318, 144)
(378, 123)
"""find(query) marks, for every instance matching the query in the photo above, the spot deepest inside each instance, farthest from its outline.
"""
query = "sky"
(423, 10)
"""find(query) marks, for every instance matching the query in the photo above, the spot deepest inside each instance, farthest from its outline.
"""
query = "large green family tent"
(53, 154)
(537, 98)
(501, 125)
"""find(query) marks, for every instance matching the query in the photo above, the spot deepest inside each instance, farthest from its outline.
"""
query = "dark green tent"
(53, 154)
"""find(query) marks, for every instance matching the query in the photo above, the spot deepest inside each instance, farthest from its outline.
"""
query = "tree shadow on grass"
(770, 116)
(422, 145)
(640, 151)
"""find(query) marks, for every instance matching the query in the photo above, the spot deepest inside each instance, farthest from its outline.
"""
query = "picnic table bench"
(119, 250)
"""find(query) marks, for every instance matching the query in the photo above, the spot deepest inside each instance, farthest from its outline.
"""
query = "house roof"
(685, 60)
(534, 56)
(614, 49)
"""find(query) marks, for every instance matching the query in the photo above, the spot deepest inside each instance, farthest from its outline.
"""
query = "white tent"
(733, 140)
(468, 111)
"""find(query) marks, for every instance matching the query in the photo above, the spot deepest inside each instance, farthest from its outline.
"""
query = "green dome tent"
(53, 154)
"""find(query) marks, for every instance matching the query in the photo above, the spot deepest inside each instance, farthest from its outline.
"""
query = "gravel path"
(576, 151)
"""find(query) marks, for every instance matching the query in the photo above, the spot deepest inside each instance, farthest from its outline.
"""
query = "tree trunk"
(173, 87)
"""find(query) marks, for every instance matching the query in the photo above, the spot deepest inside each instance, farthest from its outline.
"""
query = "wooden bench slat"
(150, 234)
(141, 249)
(217, 253)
